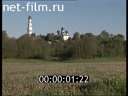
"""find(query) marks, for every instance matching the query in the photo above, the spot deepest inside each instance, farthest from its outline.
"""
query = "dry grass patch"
(20, 77)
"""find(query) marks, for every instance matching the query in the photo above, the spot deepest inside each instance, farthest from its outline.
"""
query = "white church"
(63, 33)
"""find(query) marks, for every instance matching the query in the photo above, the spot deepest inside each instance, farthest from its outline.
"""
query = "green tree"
(90, 47)
(87, 47)
(76, 49)
(82, 36)
(76, 36)
(51, 37)
(33, 35)
(42, 49)
(104, 36)
(118, 45)
(114, 47)
(9, 47)
(30, 48)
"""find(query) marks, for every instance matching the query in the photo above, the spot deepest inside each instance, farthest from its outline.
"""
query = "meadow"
(107, 77)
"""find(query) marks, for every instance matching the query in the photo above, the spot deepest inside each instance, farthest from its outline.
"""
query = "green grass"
(105, 87)
(105, 59)
(107, 77)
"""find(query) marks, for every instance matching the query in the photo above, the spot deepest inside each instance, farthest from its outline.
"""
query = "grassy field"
(107, 77)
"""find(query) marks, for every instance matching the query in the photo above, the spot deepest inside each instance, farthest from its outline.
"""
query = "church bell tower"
(29, 29)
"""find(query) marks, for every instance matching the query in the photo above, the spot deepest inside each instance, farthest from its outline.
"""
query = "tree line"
(80, 46)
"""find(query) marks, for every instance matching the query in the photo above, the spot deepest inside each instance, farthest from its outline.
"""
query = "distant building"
(63, 33)
(29, 28)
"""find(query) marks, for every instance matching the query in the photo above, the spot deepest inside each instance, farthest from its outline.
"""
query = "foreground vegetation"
(20, 77)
